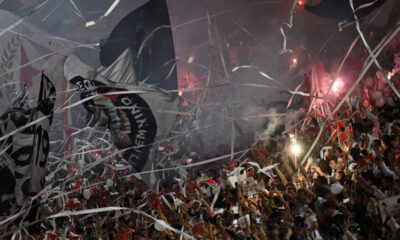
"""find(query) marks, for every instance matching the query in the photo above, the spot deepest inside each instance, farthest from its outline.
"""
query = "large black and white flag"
(142, 113)
(16, 150)
(24, 146)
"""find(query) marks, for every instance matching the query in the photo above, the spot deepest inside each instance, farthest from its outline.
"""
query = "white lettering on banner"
(139, 142)
(126, 101)
(88, 84)
(135, 156)
(141, 122)
(141, 134)
(140, 117)
(135, 109)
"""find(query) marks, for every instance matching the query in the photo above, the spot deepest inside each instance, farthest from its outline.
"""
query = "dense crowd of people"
(348, 190)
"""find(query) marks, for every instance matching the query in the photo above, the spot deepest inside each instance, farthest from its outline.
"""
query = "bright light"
(390, 74)
(293, 63)
(190, 59)
(296, 149)
(180, 93)
(302, 2)
(337, 85)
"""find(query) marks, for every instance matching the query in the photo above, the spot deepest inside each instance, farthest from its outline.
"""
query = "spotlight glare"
(296, 149)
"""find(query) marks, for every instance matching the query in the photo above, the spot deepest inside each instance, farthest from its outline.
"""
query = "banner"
(143, 112)
(41, 142)
(24, 154)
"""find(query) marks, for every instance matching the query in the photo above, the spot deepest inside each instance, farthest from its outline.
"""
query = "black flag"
(137, 115)
(341, 9)
(147, 32)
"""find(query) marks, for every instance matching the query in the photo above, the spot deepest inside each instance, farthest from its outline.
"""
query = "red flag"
(156, 203)
(77, 184)
(210, 181)
(94, 191)
(125, 236)
(53, 236)
(249, 172)
(341, 131)
(73, 204)
(198, 228)
(192, 185)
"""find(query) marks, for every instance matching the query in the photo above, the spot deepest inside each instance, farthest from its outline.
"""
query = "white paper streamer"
(106, 14)
(290, 24)
(112, 7)
(109, 209)
(284, 49)
(76, 9)
(259, 71)
(166, 202)
(264, 170)
(300, 93)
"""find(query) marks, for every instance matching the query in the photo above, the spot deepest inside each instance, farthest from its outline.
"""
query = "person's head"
(333, 233)
(357, 130)
(341, 164)
(298, 223)
(332, 164)
(291, 191)
(328, 209)
(386, 182)
(312, 173)
(321, 180)
(387, 141)
(339, 175)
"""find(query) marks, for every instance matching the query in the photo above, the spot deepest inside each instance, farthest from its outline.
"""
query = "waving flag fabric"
(145, 113)
(24, 154)
(147, 32)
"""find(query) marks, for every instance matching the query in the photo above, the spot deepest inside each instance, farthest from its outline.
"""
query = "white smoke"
(293, 118)
(273, 122)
